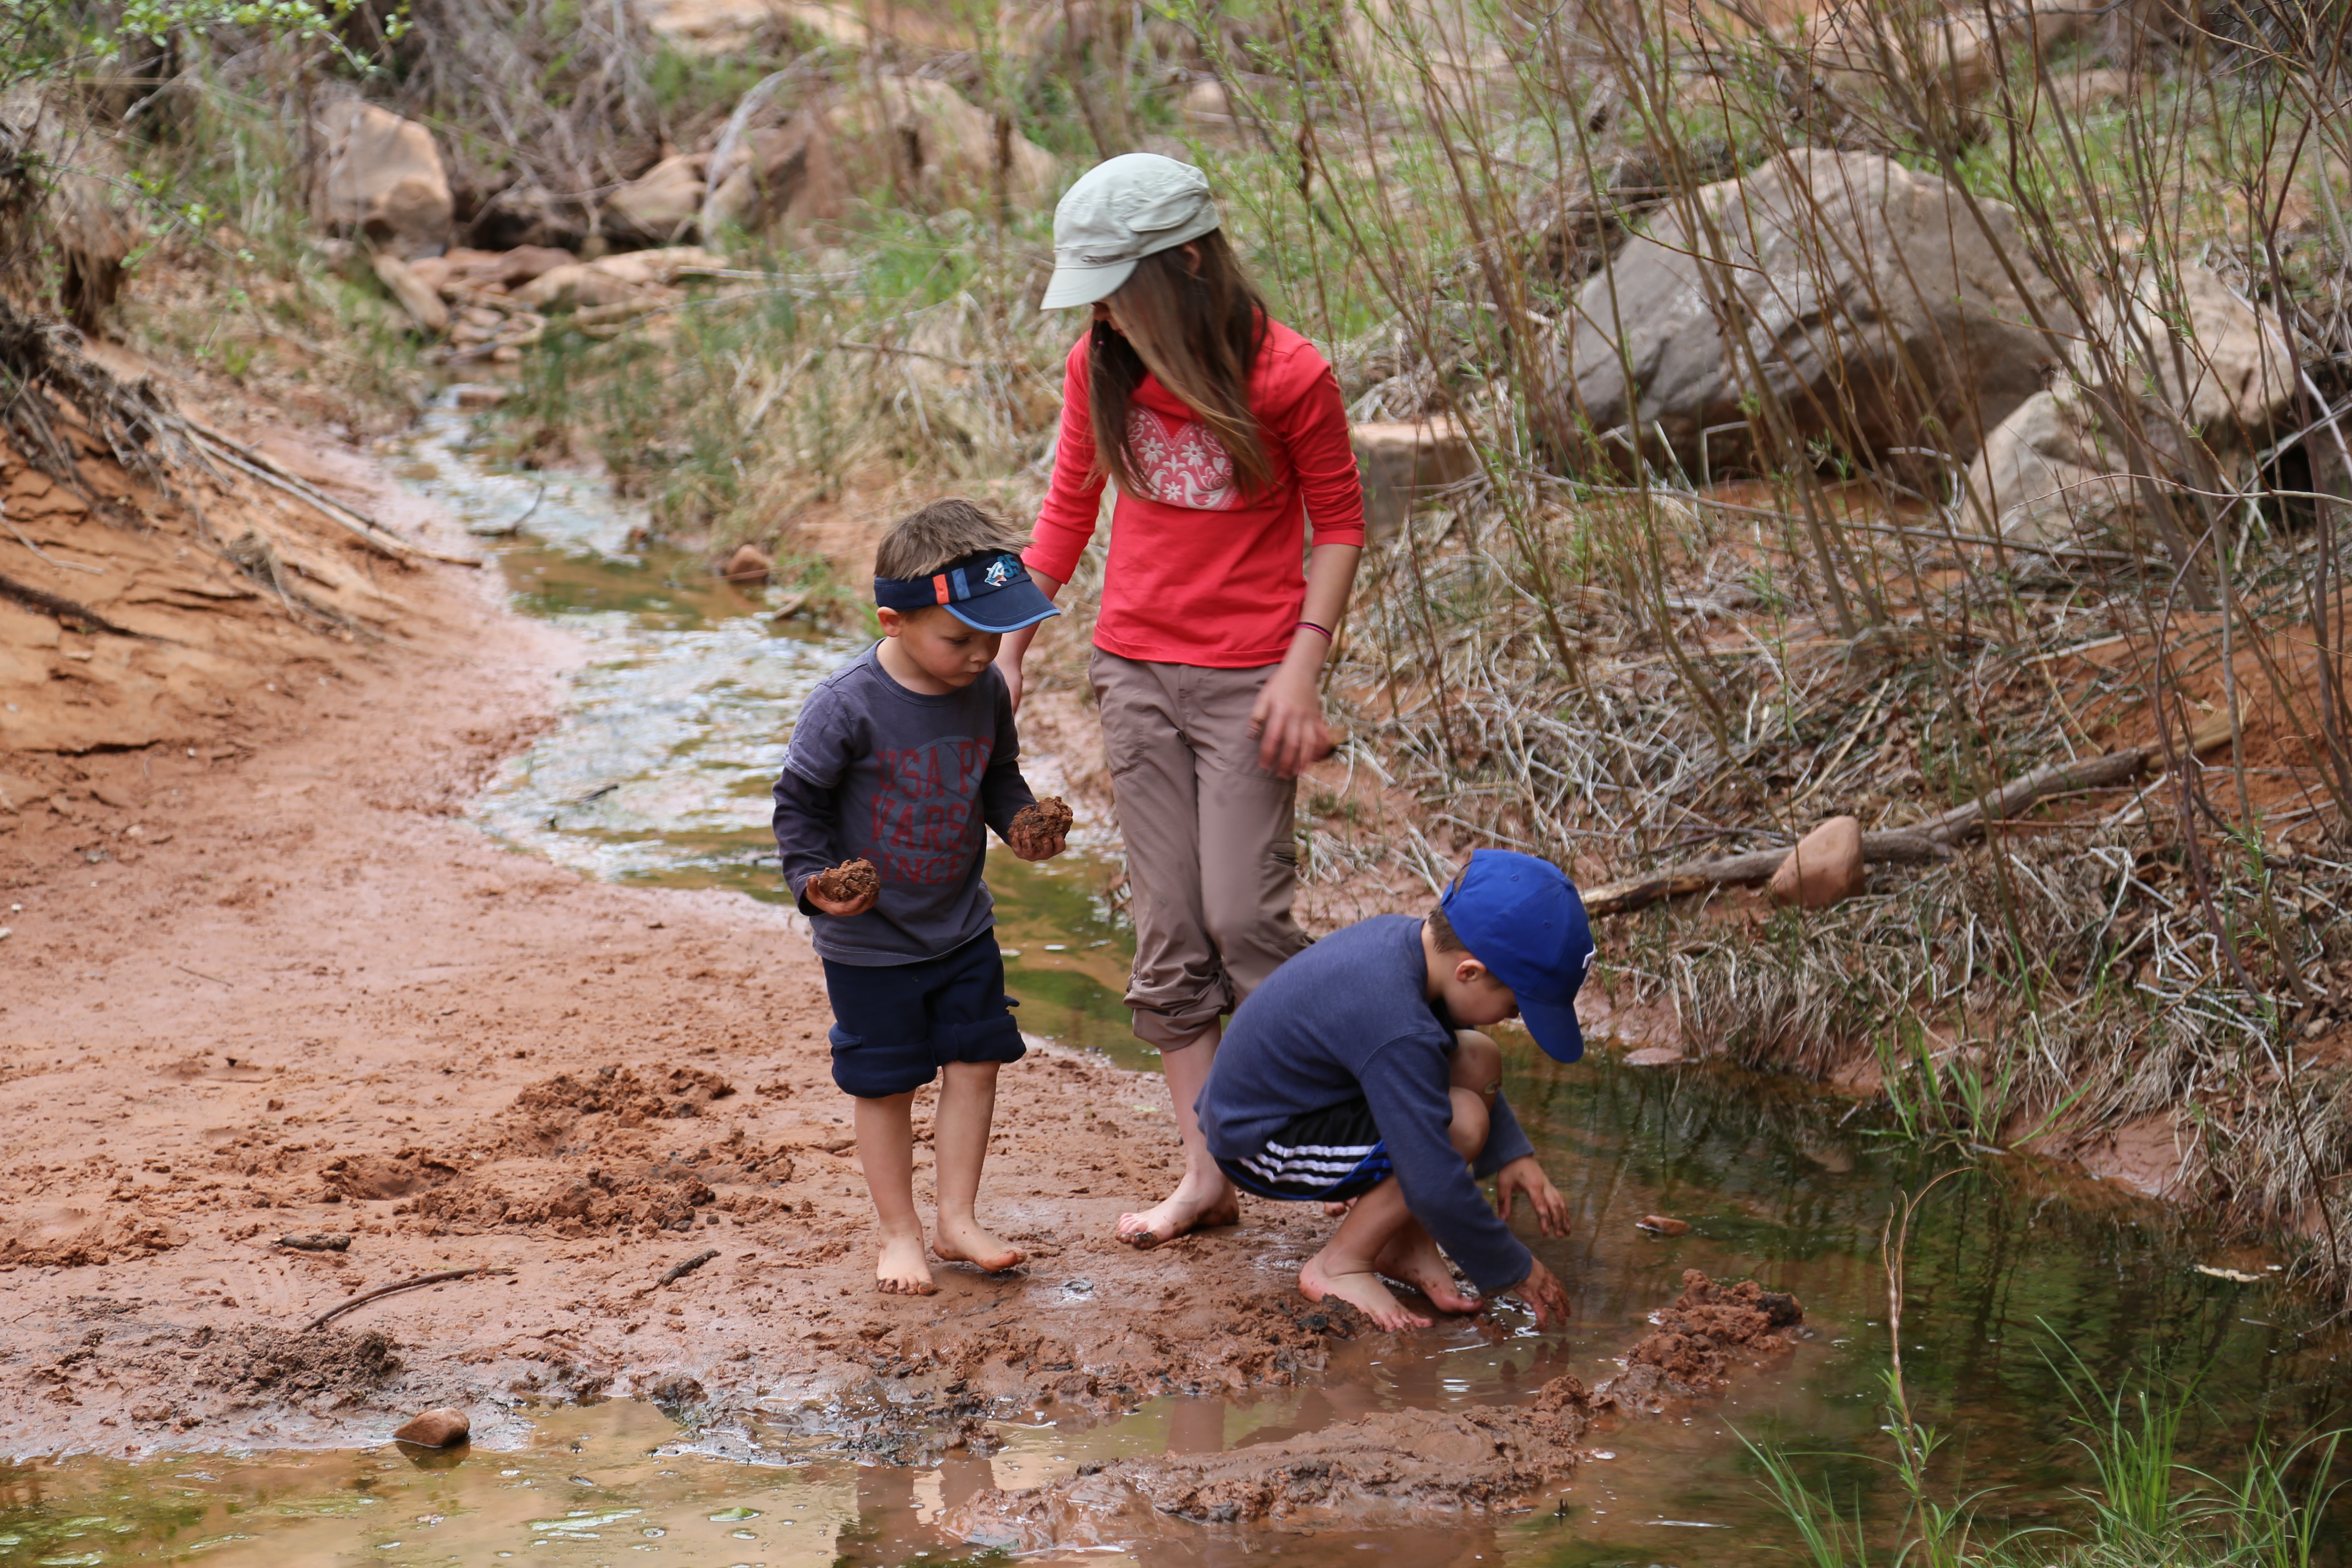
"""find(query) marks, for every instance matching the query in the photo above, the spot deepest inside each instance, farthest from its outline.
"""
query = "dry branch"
(331, 1313)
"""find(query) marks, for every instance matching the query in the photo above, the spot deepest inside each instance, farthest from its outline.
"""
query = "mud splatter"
(547, 1110)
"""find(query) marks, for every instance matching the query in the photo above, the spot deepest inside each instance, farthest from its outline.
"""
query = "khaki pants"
(1210, 860)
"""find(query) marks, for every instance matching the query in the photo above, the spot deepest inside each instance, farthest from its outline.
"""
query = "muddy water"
(658, 771)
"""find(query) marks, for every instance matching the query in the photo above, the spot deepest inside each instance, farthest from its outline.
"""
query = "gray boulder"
(2211, 377)
(1875, 308)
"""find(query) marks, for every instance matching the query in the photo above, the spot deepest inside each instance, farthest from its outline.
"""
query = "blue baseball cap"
(1525, 921)
(989, 592)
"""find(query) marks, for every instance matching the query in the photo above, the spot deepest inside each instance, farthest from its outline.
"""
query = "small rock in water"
(322, 1241)
(1663, 1224)
(749, 564)
(1653, 1057)
(437, 1429)
(1824, 868)
(473, 394)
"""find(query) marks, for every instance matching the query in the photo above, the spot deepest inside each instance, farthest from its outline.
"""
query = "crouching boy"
(899, 762)
(1356, 1071)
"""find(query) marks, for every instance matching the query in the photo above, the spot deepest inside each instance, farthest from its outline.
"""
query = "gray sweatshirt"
(910, 781)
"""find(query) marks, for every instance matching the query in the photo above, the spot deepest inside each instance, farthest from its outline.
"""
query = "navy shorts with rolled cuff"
(1328, 1155)
(895, 1026)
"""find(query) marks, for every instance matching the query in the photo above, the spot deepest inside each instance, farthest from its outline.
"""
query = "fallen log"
(1934, 839)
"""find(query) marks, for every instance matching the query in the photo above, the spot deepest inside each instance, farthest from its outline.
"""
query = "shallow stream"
(658, 771)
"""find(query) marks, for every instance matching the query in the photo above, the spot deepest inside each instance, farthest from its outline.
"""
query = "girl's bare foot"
(1196, 1201)
(1412, 1256)
(964, 1241)
(902, 1272)
(1360, 1288)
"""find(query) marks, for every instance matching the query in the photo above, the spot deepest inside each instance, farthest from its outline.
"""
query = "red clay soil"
(275, 988)
(1399, 1466)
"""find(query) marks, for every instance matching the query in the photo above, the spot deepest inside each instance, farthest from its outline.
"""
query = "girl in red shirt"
(1223, 434)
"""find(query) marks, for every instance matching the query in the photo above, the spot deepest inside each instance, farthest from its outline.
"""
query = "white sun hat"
(1118, 213)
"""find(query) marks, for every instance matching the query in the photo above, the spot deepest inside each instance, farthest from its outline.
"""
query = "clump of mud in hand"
(846, 883)
(1048, 817)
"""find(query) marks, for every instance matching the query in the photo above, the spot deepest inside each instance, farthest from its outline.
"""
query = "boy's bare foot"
(902, 1272)
(1412, 1256)
(1361, 1289)
(1194, 1204)
(968, 1242)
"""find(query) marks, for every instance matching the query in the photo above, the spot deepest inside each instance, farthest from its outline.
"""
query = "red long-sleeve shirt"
(1199, 572)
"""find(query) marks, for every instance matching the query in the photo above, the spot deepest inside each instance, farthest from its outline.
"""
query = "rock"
(1824, 868)
(780, 174)
(471, 397)
(934, 148)
(1663, 1224)
(422, 302)
(489, 270)
(2050, 475)
(1853, 275)
(382, 180)
(2043, 479)
(1653, 1057)
(18, 794)
(2083, 91)
(749, 565)
(529, 217)
(442, 1429)
(659, 206)
(633, 276)
(1405, 462)
(1206, 106)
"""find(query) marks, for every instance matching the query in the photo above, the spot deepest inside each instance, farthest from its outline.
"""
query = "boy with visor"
(903, 758)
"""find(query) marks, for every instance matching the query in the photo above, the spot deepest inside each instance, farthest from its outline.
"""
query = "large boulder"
(381, 180)
(659, 206)
(933, 147)
(778, 175)
(1866, 299)
(2055, 473)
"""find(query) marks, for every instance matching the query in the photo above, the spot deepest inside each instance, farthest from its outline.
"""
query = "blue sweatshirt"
(1349, 1017)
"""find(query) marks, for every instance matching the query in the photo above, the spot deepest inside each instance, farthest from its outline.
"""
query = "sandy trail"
(276, 988)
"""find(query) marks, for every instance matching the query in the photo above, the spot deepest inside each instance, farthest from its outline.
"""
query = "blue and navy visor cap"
(1525, 921)
(989, 592)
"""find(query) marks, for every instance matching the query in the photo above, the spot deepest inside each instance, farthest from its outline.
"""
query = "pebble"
(1663, 1224)
(437, 1429)
(749, 563)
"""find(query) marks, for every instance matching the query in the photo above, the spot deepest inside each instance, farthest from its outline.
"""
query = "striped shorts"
(1328, 1155)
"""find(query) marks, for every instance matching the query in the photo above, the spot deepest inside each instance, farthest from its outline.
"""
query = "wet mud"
(1400, 1465)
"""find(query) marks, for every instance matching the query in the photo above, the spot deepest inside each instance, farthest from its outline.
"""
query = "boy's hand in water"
(1544, 1295)
(1524, 1175)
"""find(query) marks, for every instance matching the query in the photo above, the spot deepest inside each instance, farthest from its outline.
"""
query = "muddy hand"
(1524, 1175)
(1040, 830)
(1544, 1295)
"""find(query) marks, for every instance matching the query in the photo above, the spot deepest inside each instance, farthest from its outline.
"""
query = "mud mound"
(1690, 1351)
(548, 1110)
(387, 1176)
(650, 1197)
(276, 1363)
(77, 1235)
(1399, 1463)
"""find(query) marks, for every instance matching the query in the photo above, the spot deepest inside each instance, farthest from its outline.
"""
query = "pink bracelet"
(1311, 627)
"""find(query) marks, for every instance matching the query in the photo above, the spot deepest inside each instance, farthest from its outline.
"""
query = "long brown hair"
(1196, 325)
